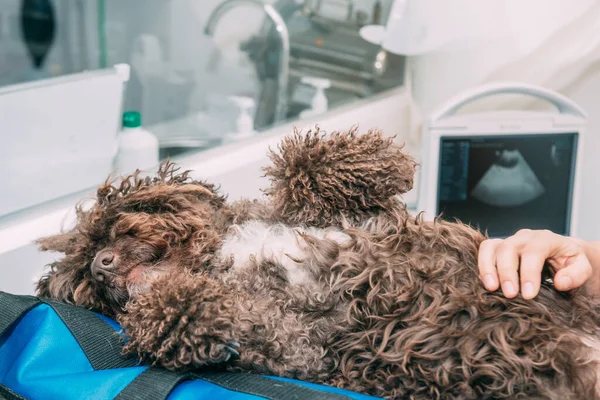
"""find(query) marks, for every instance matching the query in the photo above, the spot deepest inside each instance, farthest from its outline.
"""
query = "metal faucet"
(284, 60)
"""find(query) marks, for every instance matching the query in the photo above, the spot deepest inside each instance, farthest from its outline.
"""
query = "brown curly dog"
(329, 281)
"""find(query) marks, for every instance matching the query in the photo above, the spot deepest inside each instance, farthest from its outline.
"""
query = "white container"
(319, 103)
(138, 148)
(65, 126)
(244, 123)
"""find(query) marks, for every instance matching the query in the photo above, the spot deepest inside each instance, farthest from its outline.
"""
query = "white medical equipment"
(504, 170)
(59, 135)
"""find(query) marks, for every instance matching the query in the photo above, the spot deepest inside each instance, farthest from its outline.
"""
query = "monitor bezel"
(524, 136)
(461, 127)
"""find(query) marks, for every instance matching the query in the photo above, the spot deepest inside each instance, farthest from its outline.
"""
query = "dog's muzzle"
(103, 266)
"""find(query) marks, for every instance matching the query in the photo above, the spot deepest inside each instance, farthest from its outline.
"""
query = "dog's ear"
(316, 179)
(63, 242)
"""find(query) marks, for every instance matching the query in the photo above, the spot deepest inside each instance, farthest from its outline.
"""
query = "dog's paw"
(228, 351)
(182, 323)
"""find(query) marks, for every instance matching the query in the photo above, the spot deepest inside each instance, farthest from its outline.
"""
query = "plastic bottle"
(244, 125)
(319, 103)
(377, 13)
(138, 148)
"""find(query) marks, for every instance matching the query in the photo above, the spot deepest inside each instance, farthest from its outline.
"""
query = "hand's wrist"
(592, 252)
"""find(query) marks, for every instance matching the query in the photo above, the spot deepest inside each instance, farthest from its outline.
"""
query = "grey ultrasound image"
(504, 183)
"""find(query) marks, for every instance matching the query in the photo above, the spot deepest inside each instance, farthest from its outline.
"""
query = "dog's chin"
(136, 288)
(139, 280)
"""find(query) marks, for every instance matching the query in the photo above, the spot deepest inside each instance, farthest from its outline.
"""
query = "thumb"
(575, 271)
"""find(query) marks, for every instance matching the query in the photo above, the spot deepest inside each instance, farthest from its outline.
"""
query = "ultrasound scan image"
(509, 182)
(505, 183)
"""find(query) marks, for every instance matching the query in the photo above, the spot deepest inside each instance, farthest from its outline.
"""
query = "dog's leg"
(183, 322)
(325, 180)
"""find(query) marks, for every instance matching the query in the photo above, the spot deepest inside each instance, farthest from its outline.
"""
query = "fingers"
(532, 261)
(507, 263)
(487, 263)
(516, 263)
(568, 258)
(576, 272)
(498, 263)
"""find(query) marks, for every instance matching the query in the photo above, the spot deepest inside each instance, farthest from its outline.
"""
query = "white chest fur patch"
(279, 243)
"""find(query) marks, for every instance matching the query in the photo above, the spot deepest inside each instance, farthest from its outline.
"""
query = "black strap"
(13, 308)
(7, 394)
(98, 340)
(157, 384)
(153, 384)
(102, 346)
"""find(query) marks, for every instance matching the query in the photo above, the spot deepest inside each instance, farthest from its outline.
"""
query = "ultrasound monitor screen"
(505, 183)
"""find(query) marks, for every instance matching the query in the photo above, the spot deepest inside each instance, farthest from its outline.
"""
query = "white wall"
(550, 43)
(20, 268)
(500, 39)
(586, 92)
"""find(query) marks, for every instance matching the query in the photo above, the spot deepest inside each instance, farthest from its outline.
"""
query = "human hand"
(517, 262)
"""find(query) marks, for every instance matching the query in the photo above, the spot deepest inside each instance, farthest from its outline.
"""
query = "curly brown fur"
(420, 325)
(356, 293)
(161, 222)
(246, 210)
(318, 180)
(191, 324)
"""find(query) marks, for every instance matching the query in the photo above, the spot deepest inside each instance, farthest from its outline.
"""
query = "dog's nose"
(103, 265)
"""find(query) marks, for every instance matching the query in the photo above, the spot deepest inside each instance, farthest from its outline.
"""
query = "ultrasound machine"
(501, 171)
